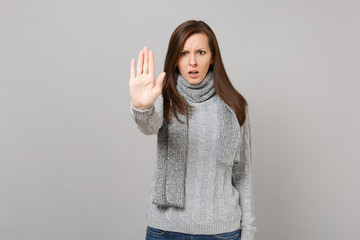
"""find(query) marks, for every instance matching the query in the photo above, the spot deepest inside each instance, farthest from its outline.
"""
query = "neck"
(196, 92)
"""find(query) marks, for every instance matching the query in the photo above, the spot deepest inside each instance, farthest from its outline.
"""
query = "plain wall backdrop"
(74, 166)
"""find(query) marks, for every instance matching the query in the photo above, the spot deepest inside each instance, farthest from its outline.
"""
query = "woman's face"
(195, 58)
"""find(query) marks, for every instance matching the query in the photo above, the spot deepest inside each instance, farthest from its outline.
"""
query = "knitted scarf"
(169, 188)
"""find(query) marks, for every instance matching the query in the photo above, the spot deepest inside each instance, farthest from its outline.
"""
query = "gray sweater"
(218, 198)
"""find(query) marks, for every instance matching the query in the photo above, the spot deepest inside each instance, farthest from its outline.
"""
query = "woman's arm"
(242, 178)
(149, 120)
(146, 105)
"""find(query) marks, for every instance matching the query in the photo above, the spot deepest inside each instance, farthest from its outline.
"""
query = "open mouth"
(193, 74)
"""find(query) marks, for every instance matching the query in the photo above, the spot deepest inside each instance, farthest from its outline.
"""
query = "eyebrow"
(202, 48)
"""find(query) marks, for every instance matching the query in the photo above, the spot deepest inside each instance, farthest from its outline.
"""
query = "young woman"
(202, 185)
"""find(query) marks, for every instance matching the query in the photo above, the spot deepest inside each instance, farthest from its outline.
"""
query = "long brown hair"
(173, 101)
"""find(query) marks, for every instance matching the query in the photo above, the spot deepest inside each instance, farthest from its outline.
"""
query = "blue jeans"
(156, 234)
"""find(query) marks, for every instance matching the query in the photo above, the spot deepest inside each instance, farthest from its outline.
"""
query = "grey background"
(74, 166)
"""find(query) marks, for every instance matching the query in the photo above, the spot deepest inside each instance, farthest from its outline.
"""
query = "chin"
(195, 81)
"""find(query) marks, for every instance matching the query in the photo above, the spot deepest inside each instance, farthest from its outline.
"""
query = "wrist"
(140, 107)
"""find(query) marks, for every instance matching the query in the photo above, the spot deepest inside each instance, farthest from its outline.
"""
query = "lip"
(193, 75)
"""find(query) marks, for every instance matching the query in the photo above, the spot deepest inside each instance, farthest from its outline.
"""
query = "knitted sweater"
(218, 198)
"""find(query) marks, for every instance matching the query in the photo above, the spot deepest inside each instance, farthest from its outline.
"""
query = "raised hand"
(143, 89)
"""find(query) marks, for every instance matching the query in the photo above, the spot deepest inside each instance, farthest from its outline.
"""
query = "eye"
(183, 53)
(201, 52)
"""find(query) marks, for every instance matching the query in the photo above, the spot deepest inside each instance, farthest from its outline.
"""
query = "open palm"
(143, 89)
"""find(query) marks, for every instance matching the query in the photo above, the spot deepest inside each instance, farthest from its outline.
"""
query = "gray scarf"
(169, 189)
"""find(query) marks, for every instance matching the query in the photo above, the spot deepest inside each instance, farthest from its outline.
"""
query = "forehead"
(197, 40)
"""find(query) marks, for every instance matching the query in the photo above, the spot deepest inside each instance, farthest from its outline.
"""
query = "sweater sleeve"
(242, 178)
(149, 120)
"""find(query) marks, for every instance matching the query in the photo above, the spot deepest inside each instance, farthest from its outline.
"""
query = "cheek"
(207, 63)
(180, 65)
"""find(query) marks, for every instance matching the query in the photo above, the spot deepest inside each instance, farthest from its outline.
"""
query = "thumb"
(160, 81)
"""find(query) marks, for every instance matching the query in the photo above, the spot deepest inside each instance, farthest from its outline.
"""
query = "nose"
(193, 61)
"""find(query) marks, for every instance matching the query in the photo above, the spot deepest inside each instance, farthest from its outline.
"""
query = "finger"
(151, 63)
(146, 61)
(132, 69)
(140, 63)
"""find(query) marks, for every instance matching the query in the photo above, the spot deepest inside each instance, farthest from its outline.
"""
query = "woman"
(202, 185)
